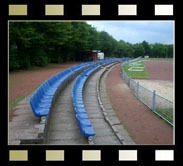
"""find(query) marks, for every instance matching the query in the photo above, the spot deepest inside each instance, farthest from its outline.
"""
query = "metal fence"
(158, 104)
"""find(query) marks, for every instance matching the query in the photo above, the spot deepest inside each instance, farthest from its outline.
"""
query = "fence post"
(130, 83)
(154, 101)
(137, 89)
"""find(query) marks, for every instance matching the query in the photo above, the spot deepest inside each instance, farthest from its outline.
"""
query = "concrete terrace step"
(104, 133)
(63, 128)
(110, 113)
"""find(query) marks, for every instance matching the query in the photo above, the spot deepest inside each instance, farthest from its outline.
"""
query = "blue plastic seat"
(42, 99)
(42, 96)
(43, 91)
(85, 122)
(79, 102)
(77, 90)
(80, 110)
(82, 115)
(87, 130)
(38, 111)
(78, 106)
(77, 98)
(78, 67)
(40, 102)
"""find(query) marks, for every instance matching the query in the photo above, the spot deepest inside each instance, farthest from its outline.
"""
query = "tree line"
(40, 43)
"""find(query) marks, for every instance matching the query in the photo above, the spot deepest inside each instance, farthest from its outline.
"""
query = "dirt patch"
(163, 88)
(143, 126)
(159, 70)
(161, 78)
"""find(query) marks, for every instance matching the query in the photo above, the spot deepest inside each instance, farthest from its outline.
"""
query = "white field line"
(135, 66)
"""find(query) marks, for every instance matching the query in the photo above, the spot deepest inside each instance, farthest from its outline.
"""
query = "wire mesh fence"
(158, 104)
(146, 96)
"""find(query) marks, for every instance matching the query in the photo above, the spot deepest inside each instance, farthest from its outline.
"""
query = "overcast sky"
(138, 31)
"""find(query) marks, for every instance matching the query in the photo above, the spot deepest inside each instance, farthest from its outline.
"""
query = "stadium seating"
(42, 100)
(77, 90)
(78, 67)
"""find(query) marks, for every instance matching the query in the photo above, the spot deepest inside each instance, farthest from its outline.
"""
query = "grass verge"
(167, 113)
(11, 106)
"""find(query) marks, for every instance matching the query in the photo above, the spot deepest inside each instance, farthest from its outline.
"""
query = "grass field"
(137, 74)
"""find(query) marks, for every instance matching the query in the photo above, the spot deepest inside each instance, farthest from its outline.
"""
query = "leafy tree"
(159, 50)
(170, 51)
(138, 50)
(40, 43)
(146, 48)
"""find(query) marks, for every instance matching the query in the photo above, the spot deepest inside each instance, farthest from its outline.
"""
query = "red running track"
(143, 125)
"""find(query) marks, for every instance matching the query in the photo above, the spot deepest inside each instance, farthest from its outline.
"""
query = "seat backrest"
(75, 67)
(51, 81)
(67, 71)
(39, 94)
(32, 104)
(43, 87)
(36, 98)
(80, 64)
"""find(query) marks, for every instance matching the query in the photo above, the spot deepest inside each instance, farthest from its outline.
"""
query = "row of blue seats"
(78, 67)
(107, 61)
(77, 91)
(89, 63)
(42, 99)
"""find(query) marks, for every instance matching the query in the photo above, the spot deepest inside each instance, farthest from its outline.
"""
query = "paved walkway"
(64, 127)
(110, 113)
(144, 126)
(22, 124)
(104, 133)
